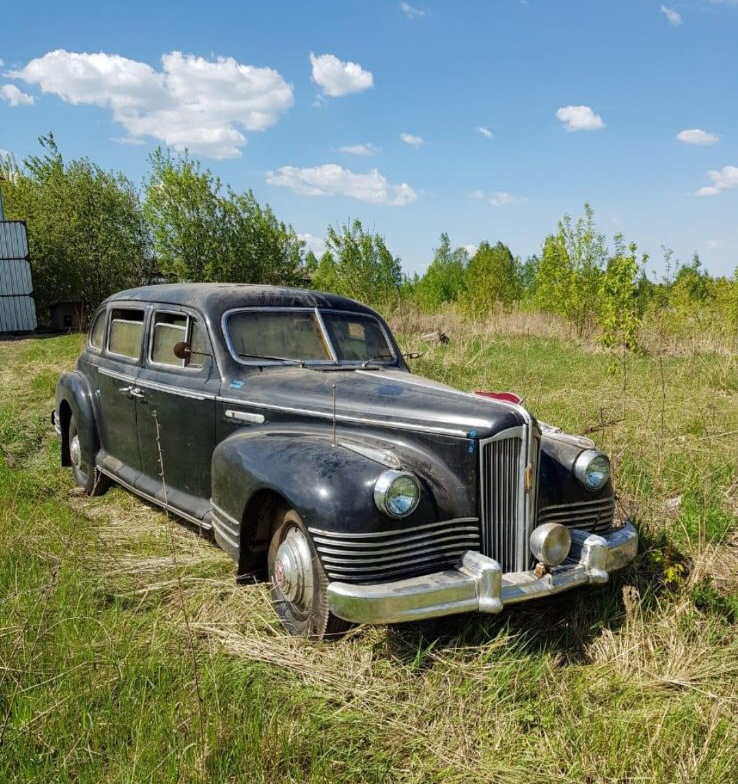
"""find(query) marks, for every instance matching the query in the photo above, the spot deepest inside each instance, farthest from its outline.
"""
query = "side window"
(172, 328)
(168, 330)
(97, 333)
(126, 331)
(198, 344)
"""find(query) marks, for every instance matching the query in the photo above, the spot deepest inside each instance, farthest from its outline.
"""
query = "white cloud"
(501, 198)
(190, 103)
(476, 194)
(413, 141)
(331, 179)
(14, 96)
(696, 136)
(715, 244)
(722, 180)
(486, 132)
(470, 249)
(337, 77)
(364, 150)
(579, 118)
(674, 17)
(313, 243)
(411, 12)
(129, 140)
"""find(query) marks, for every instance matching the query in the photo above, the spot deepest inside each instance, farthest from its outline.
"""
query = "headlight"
(592, 469)
(396, 493)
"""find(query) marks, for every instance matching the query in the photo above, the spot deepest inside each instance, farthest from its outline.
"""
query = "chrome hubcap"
(293, 569)
(75, 453)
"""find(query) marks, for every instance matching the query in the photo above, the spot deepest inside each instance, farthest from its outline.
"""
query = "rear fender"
(74, 397)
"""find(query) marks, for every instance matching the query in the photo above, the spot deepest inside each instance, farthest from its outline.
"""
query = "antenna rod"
(334, 415)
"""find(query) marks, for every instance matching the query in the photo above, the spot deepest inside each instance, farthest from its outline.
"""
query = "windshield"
(294, 335)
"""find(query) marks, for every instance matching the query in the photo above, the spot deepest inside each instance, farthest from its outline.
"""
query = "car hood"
(385, 397)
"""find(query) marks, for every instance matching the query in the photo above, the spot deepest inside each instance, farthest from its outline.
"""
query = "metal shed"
(17, 306)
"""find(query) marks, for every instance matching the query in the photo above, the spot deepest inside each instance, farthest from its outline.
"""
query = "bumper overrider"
(477, 584)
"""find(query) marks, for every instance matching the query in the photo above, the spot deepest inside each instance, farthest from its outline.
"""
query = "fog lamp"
(550, 543)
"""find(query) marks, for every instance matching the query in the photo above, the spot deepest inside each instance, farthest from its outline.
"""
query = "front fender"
(74, 391)
(330, 486)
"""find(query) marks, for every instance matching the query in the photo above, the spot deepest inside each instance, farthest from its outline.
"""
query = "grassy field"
(128, 654)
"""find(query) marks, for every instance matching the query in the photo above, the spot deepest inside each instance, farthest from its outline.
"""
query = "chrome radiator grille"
(595, 517)
(506, 508)
(392, 555)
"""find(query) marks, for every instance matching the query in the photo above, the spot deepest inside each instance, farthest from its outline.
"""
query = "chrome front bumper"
(477, 584)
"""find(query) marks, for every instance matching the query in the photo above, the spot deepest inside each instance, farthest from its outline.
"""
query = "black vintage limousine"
(288, 423)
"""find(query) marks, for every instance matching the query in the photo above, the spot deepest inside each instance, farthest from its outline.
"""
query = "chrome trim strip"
(167, 507)
(226, 517)
(155, 385)
(347, 418)
(114, 374)
(245, 416)
(221, 530)
(610, 500)
(378, 562)
(401, 532)
(419, 428)
(401, 545)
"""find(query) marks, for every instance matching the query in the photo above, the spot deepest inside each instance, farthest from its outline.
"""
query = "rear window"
(126, 331)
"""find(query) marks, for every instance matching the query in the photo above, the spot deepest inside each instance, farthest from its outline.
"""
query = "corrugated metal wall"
(17, 307)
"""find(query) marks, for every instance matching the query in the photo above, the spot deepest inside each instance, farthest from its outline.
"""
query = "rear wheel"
(88, 477)
(298, 582)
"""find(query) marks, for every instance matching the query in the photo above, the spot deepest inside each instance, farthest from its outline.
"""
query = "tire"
(298, 584)
(88, 477)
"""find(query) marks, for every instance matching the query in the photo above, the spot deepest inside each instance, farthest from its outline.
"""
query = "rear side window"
(97, 333)
(172, 328)
(126, 331)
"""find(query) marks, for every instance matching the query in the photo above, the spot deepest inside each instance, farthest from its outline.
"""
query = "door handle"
(125, 390)
(137, 393)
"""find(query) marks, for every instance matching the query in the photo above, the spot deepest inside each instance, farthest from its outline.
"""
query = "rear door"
(118, 367)
(176, 415)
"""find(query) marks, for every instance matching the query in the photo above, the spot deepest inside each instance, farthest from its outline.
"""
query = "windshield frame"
(333, 361)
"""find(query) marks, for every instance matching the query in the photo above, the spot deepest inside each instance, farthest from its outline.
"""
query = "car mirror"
(182, 350)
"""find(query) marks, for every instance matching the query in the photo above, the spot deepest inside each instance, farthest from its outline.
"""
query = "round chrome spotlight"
(550, 543)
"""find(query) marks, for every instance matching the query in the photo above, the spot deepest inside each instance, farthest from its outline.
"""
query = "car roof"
(215, 298)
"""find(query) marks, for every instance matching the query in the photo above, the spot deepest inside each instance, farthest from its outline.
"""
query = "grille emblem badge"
(529, 477)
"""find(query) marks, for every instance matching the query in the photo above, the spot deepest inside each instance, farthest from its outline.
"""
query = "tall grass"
(101, 679)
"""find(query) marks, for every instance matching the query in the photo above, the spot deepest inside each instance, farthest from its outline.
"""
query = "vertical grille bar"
(503, 499)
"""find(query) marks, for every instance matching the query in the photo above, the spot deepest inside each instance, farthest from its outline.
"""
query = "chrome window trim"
(317, 312)
(100, 313)
(194, 371)
(128, 358)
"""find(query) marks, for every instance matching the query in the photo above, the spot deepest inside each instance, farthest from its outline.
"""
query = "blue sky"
(487, 120)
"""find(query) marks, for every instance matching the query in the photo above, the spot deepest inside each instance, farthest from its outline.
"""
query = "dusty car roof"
(219, 297)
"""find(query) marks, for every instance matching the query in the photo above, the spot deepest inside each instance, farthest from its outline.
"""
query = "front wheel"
(298, 582)
(88, 477)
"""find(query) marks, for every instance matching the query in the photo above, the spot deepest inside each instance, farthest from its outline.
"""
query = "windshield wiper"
(368, 362)
(290, 360)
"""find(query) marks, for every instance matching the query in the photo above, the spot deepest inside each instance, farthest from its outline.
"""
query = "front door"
(176, 413)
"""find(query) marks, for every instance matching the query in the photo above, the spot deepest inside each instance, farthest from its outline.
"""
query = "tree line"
(93, 232)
